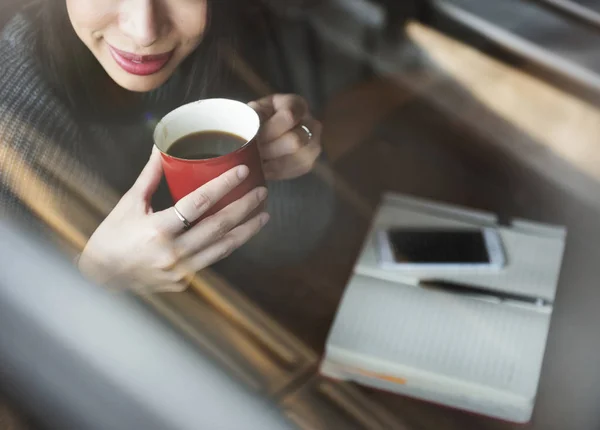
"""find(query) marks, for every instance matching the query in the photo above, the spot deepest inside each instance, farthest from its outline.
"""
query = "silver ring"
(307, 130)
(186, 224)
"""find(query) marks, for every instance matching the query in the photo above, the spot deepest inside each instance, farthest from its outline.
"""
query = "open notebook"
(459, 351)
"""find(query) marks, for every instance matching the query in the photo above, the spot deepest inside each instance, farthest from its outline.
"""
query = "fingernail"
(264, 218)
(242, 172)
(262, 193)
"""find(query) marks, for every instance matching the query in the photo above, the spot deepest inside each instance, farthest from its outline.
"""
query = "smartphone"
(421, 249)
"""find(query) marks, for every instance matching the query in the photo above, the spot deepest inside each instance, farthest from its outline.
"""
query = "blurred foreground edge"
(73, 355)
(78, 356)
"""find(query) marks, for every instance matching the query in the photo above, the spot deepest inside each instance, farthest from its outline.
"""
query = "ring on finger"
(186, 224)
(307, 130)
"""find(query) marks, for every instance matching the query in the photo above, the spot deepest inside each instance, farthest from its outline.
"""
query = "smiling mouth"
(140, 65)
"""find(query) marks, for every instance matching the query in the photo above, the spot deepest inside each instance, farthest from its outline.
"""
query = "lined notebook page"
(491, 345)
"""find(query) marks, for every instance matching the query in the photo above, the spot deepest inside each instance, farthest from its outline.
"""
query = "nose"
(139, 20)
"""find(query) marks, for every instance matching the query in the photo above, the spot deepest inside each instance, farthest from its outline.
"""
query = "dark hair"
(82, 82)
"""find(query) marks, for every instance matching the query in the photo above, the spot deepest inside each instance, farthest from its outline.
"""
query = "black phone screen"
(438, 246)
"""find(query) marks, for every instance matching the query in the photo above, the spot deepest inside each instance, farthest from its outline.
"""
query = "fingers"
(220, 224)
(292, 141)
(147, 183)
(287, 149)
(211, 240)
(264, 108)
(197, 203)
(293, 166)
(178, 278)
(281, 113)
(228, 244)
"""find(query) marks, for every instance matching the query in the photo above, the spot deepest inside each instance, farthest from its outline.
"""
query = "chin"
(141, 84)
(140, 87)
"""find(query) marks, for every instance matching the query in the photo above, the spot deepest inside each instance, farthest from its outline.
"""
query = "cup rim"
(165, 121)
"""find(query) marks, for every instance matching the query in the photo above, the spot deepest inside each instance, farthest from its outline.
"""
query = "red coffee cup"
(211, 115)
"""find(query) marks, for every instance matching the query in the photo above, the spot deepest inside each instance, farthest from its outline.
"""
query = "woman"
(86, 80)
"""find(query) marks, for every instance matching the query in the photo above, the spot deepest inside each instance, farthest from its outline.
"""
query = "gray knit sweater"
(63, 171)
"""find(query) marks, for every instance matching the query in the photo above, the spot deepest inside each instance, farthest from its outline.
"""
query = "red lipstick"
(140, 65)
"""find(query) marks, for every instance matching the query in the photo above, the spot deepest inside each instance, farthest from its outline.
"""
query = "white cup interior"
(207, 115)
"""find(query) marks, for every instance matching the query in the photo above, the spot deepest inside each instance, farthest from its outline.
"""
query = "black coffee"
(205, 144)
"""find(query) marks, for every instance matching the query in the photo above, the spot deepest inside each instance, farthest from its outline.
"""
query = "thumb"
(264, 108)
(147, 183)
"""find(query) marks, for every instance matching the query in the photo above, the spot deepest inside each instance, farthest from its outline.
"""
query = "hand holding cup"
(137, 246)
